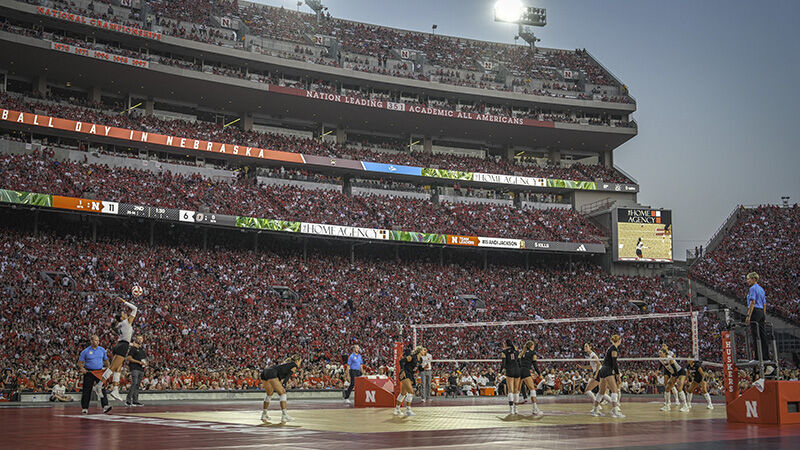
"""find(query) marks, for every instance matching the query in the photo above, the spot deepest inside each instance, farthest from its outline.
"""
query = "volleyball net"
(561, 341)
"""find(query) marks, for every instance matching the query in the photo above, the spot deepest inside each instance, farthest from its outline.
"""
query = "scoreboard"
(642, 235)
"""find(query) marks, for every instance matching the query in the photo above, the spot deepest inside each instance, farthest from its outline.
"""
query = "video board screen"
(644, 235)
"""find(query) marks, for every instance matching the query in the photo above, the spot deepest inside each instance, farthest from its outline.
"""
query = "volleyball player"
(511, 367)
(669, 386)
(608, 378)
(527, 361)
(122, 323)
(408, 366)
(669, 381)
(639, 247)
(594, 381)
(677, 374)
(273, 379)
(698, 377)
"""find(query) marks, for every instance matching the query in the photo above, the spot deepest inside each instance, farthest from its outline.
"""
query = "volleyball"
(137, 291)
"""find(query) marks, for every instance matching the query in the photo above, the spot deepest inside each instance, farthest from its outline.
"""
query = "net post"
(397, 353)
(414, 333)
(695, 336)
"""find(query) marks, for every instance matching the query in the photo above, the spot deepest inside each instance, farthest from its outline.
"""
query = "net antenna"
(674, 315)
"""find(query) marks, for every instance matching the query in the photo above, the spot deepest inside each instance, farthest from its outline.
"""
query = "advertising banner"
(183, 215)
(509, 179)
(25, 198)
(418, 109)
(343, 231)
(617, 187)
(77, 204)
(97, 23)
(392, 168)
(274, 155)
(501, 243)
(149, 138)
(448, 174)
(333, 162)
(267, 224)
(491, 242)
(97, 54)
(568, 247)
(415, 236)
(572, 184)
(469, 241)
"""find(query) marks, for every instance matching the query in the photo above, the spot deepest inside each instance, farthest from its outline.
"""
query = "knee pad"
(267, 398)
(533, 393)
(116, 377)
(401, 397)
(409, 397)
(283, 397)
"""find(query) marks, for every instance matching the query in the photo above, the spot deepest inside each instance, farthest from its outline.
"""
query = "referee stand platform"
(770, 400)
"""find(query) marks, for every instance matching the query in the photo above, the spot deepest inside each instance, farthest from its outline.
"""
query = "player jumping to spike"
(122, 323)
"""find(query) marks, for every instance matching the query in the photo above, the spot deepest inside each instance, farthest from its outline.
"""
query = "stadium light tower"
(526, 17)
(317, 7)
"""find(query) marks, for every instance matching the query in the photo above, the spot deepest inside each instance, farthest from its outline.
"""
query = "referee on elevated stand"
(354, 362)
(757, 318)
(92, 358)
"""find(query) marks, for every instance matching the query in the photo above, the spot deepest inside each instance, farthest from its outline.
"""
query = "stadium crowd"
(210, 317)
(244, 197)
(765, 240)
(319, 85)
(99, 113)
(462, 60)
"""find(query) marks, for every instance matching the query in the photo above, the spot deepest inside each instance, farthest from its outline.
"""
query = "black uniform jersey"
(284, 370)
(694, 371)
(510, 359)
(527, 361)
(409, 366)
(610, 361)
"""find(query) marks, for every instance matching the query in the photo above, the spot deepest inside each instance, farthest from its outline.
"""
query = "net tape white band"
(547, 321)
(549, 360)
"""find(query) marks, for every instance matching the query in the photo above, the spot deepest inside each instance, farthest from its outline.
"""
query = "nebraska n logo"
(370, 397)
(752, 409)
(581, 248)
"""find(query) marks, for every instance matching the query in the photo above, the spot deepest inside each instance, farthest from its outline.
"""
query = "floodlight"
(508, 10)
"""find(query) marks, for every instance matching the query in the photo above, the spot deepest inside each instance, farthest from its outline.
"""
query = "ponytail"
(530, 345)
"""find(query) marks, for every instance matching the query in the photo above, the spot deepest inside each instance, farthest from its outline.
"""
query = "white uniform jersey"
(125, 331)
(670, 363)
(595, 361)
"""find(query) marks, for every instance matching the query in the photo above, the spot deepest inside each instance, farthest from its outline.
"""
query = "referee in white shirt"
(426, 376)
